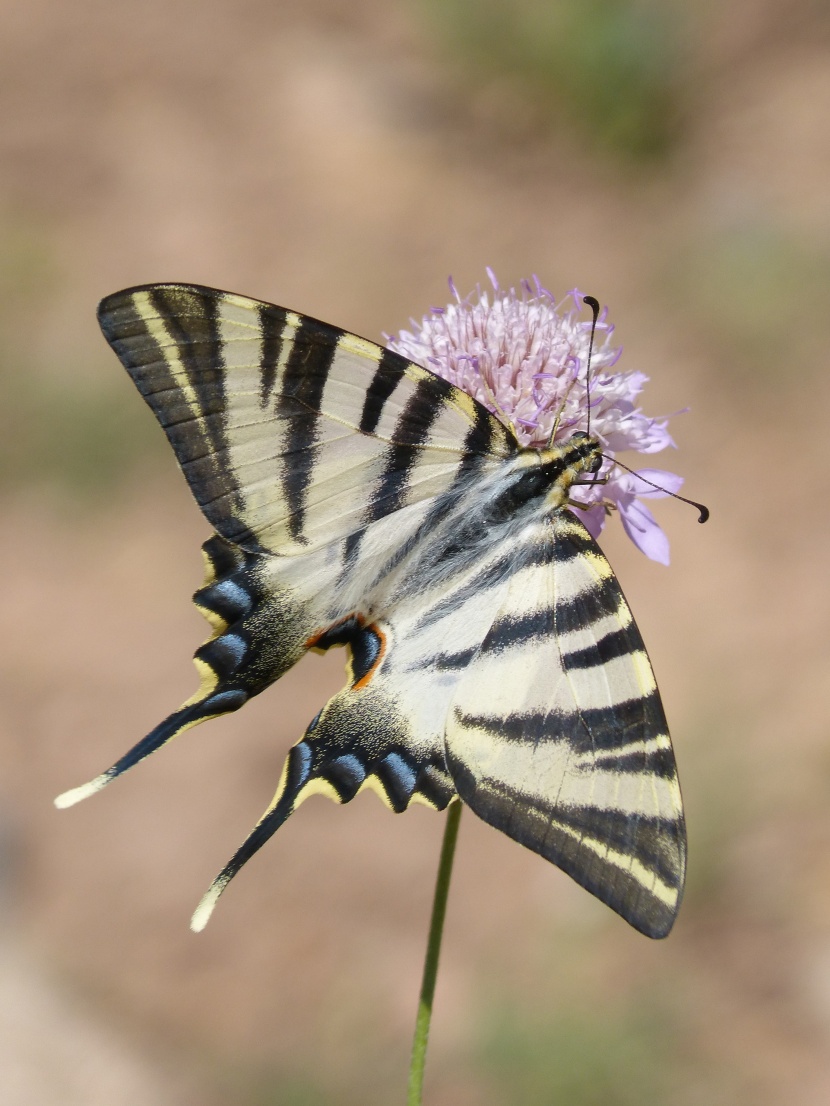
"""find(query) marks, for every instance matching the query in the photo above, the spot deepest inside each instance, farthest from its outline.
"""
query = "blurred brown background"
(342, 159)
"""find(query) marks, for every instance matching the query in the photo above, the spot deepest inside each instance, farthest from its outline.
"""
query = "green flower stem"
(436, 930)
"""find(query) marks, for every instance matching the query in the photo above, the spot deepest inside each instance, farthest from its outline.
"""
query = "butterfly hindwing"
(299, 442)
(557, 737)
(385, 729)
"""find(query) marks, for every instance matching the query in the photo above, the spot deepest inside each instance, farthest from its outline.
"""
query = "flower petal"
(593, 520)
(642, 527)
(669, 483)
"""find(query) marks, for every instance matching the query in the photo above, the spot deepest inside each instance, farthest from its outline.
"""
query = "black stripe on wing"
(390, 371)
(272, 326)
(151, 330)
(306, 372)
(192, 323)
(410, 435)
(589, 606)
(621, 642)
(655, 759)
(595, 846)
(602, 729)
(578, 543)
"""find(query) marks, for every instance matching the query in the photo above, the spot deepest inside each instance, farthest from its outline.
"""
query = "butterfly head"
(586, 450)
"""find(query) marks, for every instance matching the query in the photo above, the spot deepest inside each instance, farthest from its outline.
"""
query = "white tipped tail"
(202, 913)
(76, 794)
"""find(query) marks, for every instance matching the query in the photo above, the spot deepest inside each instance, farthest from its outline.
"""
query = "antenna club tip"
(704, 514)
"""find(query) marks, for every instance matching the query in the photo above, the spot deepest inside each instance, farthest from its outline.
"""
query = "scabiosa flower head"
(525, 358)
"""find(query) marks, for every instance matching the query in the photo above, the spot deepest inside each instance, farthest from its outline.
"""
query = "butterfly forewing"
(556, 734)
(291, 433)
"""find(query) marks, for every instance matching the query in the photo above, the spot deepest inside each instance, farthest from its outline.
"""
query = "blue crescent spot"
(350, 766)
(227, 700)
(233, 644)
(402, 772)
(234, 594)
(304, 755)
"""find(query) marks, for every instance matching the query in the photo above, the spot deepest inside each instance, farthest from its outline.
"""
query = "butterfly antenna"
(594, 305)
(704, 511)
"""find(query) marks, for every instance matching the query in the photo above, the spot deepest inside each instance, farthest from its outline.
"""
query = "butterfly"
(360, 500)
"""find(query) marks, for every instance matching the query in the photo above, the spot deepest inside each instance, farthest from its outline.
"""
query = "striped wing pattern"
(290, 432)
(556, 734)
(360, 500)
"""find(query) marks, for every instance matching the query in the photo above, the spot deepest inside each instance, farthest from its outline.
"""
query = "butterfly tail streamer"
(356, 742)
(296, 776)
(240, 659)
(176, 723)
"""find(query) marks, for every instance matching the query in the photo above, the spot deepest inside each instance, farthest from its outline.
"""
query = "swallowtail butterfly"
(360, 500)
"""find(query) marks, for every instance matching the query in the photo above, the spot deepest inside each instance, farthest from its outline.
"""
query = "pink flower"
(525, 358)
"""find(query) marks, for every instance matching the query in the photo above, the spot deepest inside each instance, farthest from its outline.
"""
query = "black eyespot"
(366, 647)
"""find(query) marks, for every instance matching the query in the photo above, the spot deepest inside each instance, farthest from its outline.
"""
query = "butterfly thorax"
(489, 510)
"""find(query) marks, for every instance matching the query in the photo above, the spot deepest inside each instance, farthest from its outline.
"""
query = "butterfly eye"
(595, 463)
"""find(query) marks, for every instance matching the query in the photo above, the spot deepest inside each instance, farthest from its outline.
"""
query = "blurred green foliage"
(619, 1057)
(758, 290)
(64, 426)
(716, 810)
(614, 68)
(622, 1056)
(281, 1091)
(67, 434)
